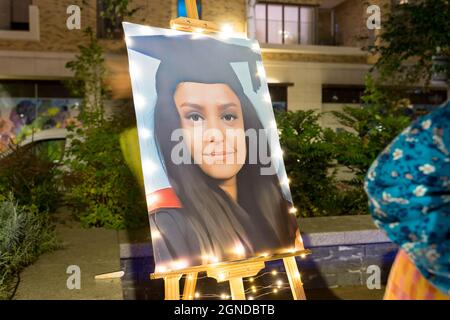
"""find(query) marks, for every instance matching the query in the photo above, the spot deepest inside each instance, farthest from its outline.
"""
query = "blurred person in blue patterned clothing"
(409, 197)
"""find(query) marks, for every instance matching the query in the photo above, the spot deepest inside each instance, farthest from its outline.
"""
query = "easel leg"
(189, 286)
(294, 278)
(172, 287)
(237, 289)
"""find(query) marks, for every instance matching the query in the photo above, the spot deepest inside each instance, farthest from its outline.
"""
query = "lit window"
(14, 15)
(285, 24)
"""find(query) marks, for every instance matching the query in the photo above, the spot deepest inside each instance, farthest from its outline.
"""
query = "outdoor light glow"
(148, 167)
(226, 30)
(155, 234)
(293, 210)
(180, 264)
(285, 181)
(128, 41)
(152, 199)
(214, 259)
(255, 46)
(145, 133)
(135, 71)
(160, 268)
(239, 250)
(139, 101)
(261, 71)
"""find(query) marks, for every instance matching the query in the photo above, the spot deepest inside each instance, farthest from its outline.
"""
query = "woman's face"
(213, 127)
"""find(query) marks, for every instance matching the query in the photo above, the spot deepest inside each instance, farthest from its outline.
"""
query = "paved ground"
(95, 251)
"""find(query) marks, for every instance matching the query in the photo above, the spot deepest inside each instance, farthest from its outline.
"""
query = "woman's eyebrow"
(192, 105)
(227, 105)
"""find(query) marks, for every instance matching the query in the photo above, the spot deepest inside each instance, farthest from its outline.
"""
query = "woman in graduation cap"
(217, 209)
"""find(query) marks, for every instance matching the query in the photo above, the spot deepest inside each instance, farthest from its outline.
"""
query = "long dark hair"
(259, 220)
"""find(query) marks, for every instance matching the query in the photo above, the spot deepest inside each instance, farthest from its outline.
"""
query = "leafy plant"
(31, 177)
(413, 34)
(369, 129)
(25, 233)
(100, 187)
(88, 80)
(308, 157)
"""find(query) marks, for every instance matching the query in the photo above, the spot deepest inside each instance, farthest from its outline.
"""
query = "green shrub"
(25, 233)
(309, 161)
(31, 177)
(100, 187)
(369, 129)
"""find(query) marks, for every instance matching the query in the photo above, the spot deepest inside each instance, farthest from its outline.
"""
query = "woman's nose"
(214, 131)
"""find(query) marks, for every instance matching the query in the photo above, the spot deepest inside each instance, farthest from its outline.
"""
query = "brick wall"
(231, 12)
(351, 17)
(54, 35)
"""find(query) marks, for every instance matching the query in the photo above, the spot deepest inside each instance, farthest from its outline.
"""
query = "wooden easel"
(234, 271)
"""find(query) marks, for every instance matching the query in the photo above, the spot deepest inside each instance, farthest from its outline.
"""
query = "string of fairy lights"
(253, 292)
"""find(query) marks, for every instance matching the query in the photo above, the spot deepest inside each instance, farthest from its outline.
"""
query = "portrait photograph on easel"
(224, 151)
(214, 177)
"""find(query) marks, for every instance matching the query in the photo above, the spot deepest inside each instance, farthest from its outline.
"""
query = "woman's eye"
(194, 117)
(229, 117)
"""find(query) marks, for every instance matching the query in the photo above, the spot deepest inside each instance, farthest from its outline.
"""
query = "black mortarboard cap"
(187, 58)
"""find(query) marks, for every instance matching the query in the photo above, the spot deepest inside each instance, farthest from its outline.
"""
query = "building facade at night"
(311, 48)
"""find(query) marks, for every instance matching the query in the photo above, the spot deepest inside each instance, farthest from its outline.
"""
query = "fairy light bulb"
(145, 133)
(197, 295)
(161, 268)
(155, 234)
(275, 290)
(274, 272)
(226, 30)
(261, 71)
(139, 101)
(252, 279)
(239, 250)
(253, 289)
(251, 298)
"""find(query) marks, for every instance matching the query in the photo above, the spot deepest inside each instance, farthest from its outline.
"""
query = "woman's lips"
(219, 155)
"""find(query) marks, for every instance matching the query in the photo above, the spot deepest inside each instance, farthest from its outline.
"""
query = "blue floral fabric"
(409, 194)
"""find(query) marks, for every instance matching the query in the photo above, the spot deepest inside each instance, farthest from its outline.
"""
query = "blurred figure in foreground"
(409, 197)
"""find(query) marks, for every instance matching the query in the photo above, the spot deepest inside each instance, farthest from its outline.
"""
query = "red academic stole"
(163, 198)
